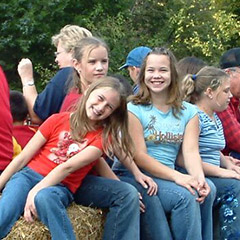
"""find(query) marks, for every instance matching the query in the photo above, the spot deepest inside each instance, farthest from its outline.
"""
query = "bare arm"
(192, 159)
(227, 169)
(25, 70)
(144, 180)
(81, 159)
(104, 170)
(23, 158)
(190, 149)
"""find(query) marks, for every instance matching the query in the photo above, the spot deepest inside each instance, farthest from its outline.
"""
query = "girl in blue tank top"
(161, 126)
(210, 91)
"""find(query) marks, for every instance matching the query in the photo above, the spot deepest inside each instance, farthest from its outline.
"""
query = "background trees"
(204, 28)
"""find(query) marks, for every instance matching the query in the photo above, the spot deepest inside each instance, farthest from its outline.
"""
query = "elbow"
(35, 119)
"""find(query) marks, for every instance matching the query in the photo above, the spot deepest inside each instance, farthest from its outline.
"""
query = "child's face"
(221, 96)
(157, 73)
(102, 103)
(93, 65)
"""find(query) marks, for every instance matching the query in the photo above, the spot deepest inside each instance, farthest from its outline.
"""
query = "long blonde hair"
(144, 96)
(115, 133)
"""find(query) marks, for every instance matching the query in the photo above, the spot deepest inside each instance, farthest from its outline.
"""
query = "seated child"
(21, 132)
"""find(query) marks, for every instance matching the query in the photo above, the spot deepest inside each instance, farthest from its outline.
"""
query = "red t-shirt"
(70, 101)
(6, 145)
(23, 134)
(59, 147)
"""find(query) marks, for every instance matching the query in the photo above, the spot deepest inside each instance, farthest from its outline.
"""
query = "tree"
(204, 28)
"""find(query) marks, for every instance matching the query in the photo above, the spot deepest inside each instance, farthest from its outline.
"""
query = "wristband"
(29, 83)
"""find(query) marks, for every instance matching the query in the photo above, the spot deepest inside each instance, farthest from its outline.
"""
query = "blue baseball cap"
(136, 56)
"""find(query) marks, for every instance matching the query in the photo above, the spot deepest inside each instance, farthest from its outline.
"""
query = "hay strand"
(88, 224)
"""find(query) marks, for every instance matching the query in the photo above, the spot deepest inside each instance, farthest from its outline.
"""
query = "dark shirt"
(49, 101)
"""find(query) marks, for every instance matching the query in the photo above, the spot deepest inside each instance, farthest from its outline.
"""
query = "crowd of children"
(165, 136)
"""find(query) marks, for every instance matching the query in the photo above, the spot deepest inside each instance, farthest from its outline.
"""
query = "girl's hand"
(233, 164)
(187, 181)
(234, 161)
(30, 211)
(147, 182)
(142, 206)
(203, 190)
(226, 173)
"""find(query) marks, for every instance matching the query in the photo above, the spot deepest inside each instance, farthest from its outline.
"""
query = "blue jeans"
(187, 215)
(206, 209)
(235, 154)
(120, 198)
(50, 203)
(228, 204)
(153, 222)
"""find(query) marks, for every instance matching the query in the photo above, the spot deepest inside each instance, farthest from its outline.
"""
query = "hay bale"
(87, 222)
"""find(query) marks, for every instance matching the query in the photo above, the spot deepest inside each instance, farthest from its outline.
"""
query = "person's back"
(21, 132)
(6, 145)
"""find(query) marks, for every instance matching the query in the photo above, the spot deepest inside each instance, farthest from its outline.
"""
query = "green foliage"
(187, 27)
(204, 28)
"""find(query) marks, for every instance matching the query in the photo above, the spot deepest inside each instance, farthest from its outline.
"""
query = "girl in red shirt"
(41, 180)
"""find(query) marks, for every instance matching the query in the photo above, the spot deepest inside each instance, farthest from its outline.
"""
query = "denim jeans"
(153, 222)
(206, 209)
(188, 219)
(120, 198)
(50, 203)
(228, 206)
(235, 154)
(187, 215)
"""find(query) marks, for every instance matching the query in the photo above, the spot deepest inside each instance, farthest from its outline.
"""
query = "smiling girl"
(161, 125)
(210, 91)
(41, 180)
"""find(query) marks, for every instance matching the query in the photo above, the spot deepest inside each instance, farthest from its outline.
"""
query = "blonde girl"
(90, 62)
(209, 89)
(42, 179)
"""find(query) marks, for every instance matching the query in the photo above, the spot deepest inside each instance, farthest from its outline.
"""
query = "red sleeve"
(231, 128)
(95, 139)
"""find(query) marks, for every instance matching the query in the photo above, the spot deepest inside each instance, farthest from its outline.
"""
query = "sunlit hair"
(193, 86)
(115, 127)
(189, 65)
(69, 36)
(144, 95)
(84, 46)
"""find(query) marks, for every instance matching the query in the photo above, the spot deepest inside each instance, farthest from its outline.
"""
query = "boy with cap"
(230, 62)
(133, 63)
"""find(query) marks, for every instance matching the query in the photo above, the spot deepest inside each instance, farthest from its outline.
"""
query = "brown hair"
(144, 96)
(115, 134)
(189, 65)
(193, 86)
